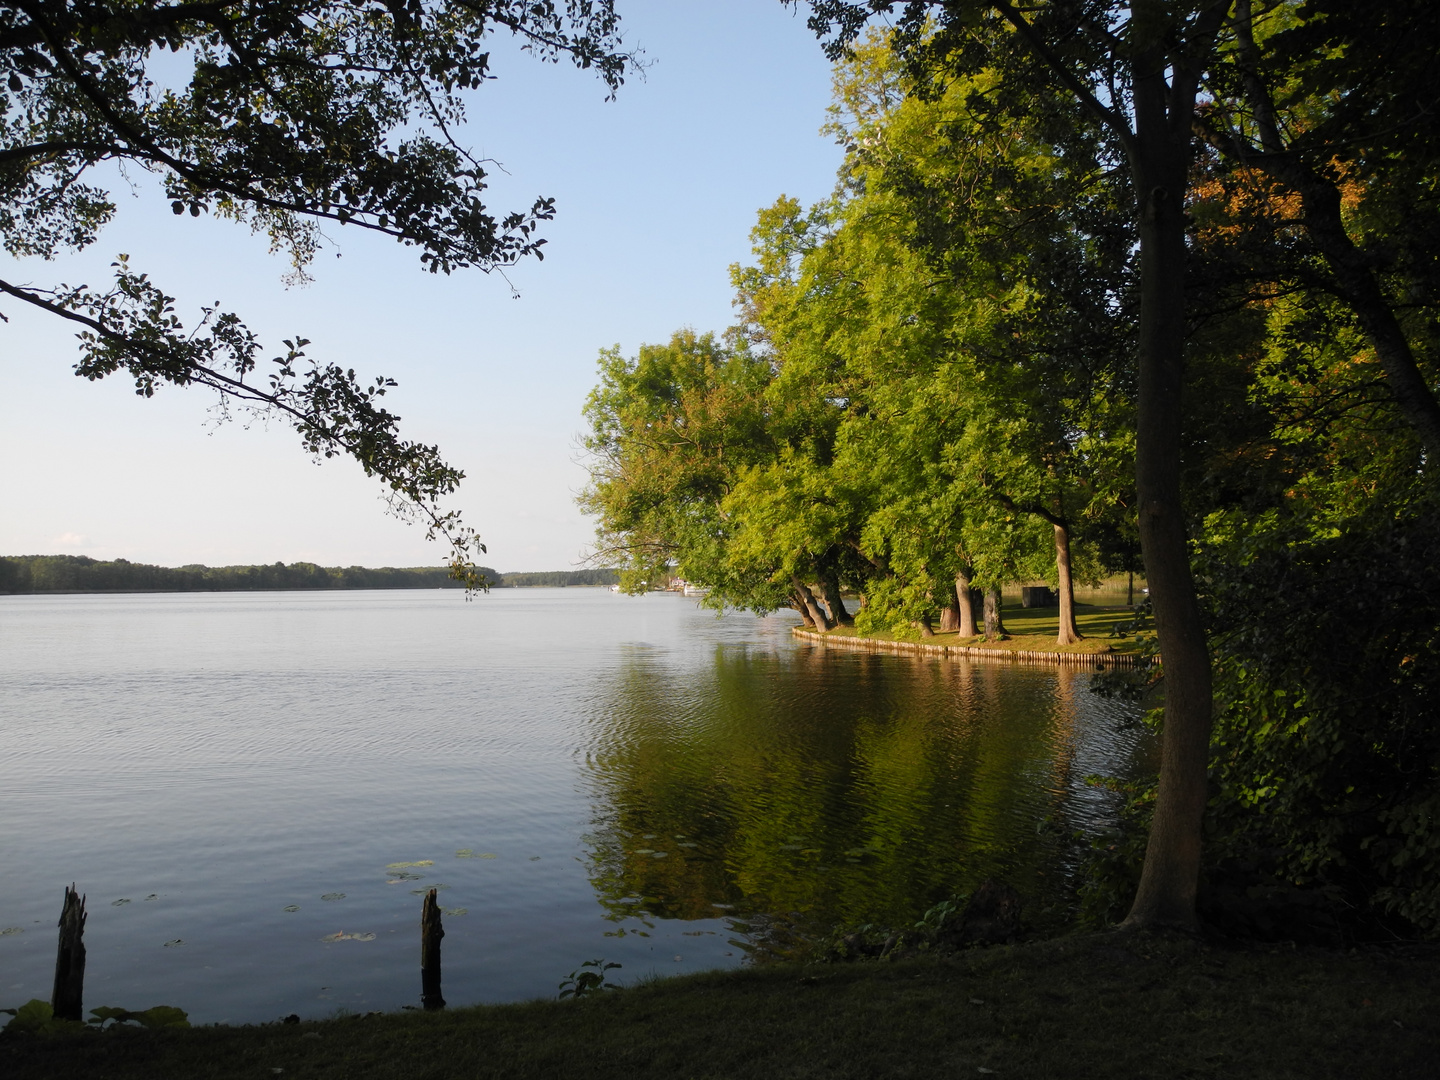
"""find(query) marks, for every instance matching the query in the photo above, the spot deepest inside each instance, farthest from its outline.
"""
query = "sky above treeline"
(656, 194)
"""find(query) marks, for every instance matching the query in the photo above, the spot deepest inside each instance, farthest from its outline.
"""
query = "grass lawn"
(1104, 1005)
(1034, 630)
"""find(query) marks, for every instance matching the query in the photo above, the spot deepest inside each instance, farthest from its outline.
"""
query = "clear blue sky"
(656, 194)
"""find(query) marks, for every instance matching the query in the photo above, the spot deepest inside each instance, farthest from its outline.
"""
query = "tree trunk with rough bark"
(799, 605)
(926, 626)
(965, 597)
(67, 995)
(1166, 55)
(838, 615)
(950, 613)
(812, 606)
(1160, 159)
(994, 624)
(1069, 633)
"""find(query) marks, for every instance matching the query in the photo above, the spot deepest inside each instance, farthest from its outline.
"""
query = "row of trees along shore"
(1105, 286)
(79, 574)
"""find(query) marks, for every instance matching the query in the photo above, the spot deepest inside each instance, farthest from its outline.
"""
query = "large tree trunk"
(1159, 160)
(926, 628)
(1167, 57)
(799, 605)
(817, 613)
(950, 613)
(994, 624)
(838, 615)
(1069, 632)
(966, 601)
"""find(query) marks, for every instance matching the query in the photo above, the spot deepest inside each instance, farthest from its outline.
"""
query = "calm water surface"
(231, 778)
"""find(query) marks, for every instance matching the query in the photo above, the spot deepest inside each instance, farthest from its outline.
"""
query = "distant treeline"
(561, 578)
(77, 573)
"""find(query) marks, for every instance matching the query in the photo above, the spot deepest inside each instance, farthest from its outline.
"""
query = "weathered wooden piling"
(69, 991)
(431, 931)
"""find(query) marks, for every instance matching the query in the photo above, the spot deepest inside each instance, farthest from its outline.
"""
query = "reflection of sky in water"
(235, 756)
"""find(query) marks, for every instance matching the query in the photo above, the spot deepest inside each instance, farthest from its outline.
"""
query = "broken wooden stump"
(66, 997)
(431, 931)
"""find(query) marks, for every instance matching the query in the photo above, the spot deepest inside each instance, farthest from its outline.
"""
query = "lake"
(255, 789)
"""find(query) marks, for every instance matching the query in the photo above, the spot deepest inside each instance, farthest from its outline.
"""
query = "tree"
(1136, 68)
(996, 340)
(295, 113)
(672, 431)
(1324, 101)
(1323, 117)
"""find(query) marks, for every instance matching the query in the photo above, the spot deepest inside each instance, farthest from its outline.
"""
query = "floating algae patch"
(333, 896)
(403, 875)
(456, 911)
(405, 865)
(291, 907)
(342, 936)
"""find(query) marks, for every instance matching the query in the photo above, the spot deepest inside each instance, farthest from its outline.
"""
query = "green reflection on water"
(836, 789)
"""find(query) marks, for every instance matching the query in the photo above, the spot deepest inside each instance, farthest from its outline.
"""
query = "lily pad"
(174, 944)
(403, 865)
(342, 936)
(456, 911)
(422, 892)
(333, 896)
(403, 875)
(291, 907)
(11, 930)
(153, 896)
(118, 903)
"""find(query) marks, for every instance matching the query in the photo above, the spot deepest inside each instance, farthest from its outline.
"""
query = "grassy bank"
(1032, 630)
(1096, 1006)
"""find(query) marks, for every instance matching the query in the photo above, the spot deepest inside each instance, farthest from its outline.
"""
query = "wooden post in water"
(431, 931)
(65, 998)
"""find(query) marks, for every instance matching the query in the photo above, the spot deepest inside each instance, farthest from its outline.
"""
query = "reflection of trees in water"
(839, 788)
